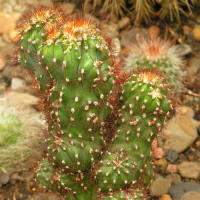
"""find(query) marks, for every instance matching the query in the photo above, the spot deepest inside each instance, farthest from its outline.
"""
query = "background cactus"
(95, 151)
(20, 136)
(145, 10)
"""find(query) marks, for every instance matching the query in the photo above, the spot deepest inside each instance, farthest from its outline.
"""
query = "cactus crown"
(91, 155)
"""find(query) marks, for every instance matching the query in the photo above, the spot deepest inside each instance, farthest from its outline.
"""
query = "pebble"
(20, 99)
(4, 179)
(194, 66)
(10, 20)
(165, 197)
(196, 32)
(125, 21)
(18, 83)
(68, 8)
(175, 178)
(161, 163)
(110, 30)
(171, 155)
(191, 196)
(131, 36)
(19, 72)
(2, 62)
(160, 186)
(14, 35)
(171, 168)
(180, 132)
(46, 196)
(189, 169)
(177, 190)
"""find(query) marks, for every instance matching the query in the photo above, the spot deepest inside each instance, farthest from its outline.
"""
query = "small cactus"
(95, 150)
(17, 150)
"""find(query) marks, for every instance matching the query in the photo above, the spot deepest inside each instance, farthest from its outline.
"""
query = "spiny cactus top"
(90, 154)
(153, 51)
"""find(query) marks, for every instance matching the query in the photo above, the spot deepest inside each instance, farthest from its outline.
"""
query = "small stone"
(186, 30)
(157, 151)
(4, 179)
(68, 8)
(161, 163)
(189, 169)
(177, 190)
(175, 178)
(171, 168)
(110, 30)
(20, 99)
(132, 36)
(191, 196)
(171, 155)
(160, 186)
(165, 197)
(8, 22)
(194, 66)
(14, 35)
(125, 21)
(196, 32)
(17, 84)
(180, 132)
(2, 62)
(185, 111)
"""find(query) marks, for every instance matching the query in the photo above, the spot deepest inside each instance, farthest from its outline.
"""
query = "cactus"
(157, 52)
(17, 150)
(95, 150)
(145, 10)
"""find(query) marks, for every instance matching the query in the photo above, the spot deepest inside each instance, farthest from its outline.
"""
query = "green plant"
(20, 138)
(101, 120)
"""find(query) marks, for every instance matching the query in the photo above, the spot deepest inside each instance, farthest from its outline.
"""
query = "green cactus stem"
(70, 59)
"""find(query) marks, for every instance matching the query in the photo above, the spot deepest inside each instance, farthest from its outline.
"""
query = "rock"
(185, 111)
(161, 163)
(2, 62)
(189, 169)
(125, 21)
(191, 196)
(175, 178)
(45, 196)
(4, 179)
(20, 99)
(194, 65)
(8, 22)
(110, 30)
(180, 132)
(14, 35)
(165, 197)
(186, 30)
(18, 83)
(17, 71)
(178, 190)
(196, 32)
(160, 186)
(157, 151)
(171, 168)
(132, 36)
(171, 155)
(68, 8)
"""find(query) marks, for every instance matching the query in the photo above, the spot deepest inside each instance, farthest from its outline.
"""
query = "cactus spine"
(85, 159)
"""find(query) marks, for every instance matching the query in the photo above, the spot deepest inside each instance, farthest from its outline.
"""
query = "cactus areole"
(91, 155)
